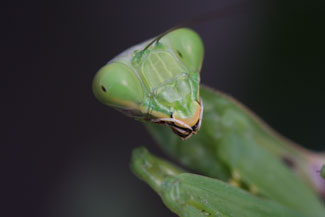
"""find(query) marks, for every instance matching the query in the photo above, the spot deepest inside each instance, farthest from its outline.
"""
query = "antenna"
(201, 19)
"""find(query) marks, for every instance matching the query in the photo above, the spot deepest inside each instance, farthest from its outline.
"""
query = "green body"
(233, 143)
(159, 83)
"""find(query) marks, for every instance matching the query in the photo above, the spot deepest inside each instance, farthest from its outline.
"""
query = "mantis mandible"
(157, 81)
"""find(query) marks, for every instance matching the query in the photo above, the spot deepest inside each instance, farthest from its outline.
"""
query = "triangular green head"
(157, 82)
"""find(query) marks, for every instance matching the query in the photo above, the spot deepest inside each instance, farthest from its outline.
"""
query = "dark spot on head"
(289, 162)
(103, 88)
(179, 53)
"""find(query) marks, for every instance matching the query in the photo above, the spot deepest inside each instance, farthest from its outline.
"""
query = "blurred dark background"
(68, 155)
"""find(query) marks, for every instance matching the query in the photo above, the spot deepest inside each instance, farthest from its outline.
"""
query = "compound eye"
(188, 46)
(117, 84)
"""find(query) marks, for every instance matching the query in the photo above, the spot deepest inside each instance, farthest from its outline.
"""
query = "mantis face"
(157, 83)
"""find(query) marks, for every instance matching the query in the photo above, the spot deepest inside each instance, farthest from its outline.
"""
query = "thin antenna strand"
(200, 19)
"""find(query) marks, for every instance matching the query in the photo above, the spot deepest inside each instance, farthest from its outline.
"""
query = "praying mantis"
(246, 168)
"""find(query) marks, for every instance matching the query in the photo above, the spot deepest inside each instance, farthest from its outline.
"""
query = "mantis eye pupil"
(179, 53)
(103, 88)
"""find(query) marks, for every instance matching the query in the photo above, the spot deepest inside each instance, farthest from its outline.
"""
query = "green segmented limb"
(231, 140)
(190, 195)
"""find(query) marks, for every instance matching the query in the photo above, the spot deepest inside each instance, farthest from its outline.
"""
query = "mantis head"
(157, 81)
